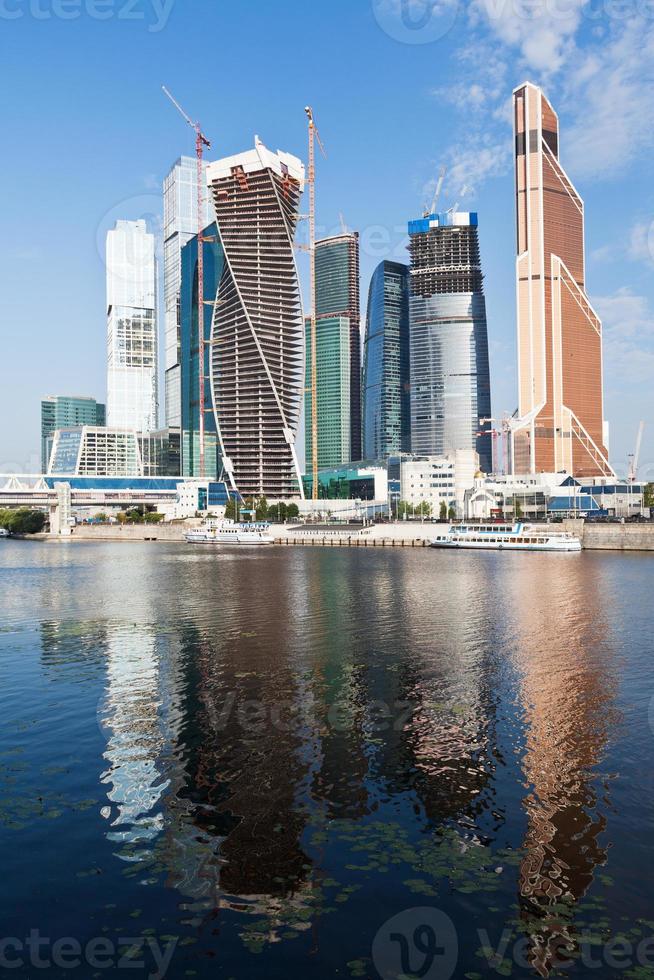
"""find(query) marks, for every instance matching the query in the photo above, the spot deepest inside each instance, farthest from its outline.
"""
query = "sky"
(399, 88)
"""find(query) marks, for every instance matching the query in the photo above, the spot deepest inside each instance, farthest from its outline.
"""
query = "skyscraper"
(332, 392)
(338, 308)
(213, 263)
(180, 190)
(560, 423)
(256, 362)
(64, 412)
(386, 408)
(132, 328)
(450, 377)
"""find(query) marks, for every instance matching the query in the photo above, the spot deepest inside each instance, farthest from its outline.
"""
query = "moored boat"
(4, 533)
(505, 537)
(230, 532)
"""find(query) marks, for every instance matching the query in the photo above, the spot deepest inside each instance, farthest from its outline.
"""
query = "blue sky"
(399, 88)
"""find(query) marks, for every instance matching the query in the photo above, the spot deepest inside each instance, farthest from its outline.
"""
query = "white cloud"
(543, 32)
(610, 95)
(628, 337)
(641, 242)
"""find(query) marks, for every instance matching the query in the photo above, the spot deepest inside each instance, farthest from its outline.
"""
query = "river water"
(300, 762)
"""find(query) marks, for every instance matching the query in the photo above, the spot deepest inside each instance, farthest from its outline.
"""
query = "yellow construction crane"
(313, 137)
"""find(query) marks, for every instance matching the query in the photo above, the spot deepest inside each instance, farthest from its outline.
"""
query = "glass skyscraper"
(180, 225)
(131, 328)
(338, 349)
(450, 376)
(65, 412)
(213, 262)
(386, 406)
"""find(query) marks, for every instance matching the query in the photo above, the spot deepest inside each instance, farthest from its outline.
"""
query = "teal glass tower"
(386, 393)
(66, 412)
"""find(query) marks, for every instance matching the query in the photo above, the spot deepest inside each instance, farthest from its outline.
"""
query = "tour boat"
(229, 532)
(505, 537)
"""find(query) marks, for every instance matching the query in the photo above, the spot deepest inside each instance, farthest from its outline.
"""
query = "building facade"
(180, 195)
(560, 423)
(88, 450)
(257, 337)
(64, 411)
(338, 312)
(131, 327)
(213, 264)
(332, 392)
(450, 376)
(434, 480)
(386, 410)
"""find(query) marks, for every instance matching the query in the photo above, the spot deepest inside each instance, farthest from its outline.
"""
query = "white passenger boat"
(505, 537)
(229, 532)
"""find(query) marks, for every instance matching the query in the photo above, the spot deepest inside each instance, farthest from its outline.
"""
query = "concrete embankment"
(403, 534)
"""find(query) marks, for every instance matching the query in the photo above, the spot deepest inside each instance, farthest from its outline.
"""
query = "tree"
(261, 509)
(443, 511)
(231, 509)
(22, 520)
(273, 513)
(404, 508)
(423, 509)
(517, 508)
(648, 496)
(292, 512)
(451, 513)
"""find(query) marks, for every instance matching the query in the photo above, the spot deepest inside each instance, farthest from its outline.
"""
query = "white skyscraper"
(132, 328)
(180, 225)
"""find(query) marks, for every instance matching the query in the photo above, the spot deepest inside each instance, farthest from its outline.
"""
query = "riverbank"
(402, 534)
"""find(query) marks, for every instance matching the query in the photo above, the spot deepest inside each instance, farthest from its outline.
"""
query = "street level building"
(62, 412)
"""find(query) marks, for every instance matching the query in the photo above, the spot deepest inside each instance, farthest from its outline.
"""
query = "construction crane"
(495, 433)
(437, 193)
(344, 227)
(201, 142)
(635, 457)
(313, 137)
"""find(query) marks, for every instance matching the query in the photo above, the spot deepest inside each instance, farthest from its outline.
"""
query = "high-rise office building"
(337, 311)
(386, 411)
(560, 423)
(334, 430)
(63, 412)
(132, 327)
(212, 266)
(180, 191)
(257, 343)
(450, 377)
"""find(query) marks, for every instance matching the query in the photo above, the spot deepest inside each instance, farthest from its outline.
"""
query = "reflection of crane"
(200, 142)
(437, 193)
(635, 457)
(313, 135)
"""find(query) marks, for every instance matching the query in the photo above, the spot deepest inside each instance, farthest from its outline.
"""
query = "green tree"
(22, 520)
(517, 508)
(231, 509)
(423, 509)
(262, 509)
(404, 509)
(273, 514)
(648, 496)
(451, 513)
(153, 517)
(292, 512)
(443, 511)
(283, 511)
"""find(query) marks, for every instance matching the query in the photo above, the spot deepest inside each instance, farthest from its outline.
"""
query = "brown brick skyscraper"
(561, 417)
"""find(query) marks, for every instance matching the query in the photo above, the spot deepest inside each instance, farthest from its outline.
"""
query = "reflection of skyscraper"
(450, 378)
(132, 328)
(257, 368)
(386, 409)
(561, 418)
(180, 224)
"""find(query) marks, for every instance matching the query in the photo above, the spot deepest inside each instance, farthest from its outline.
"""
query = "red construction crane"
(200, 142)
(313, 135)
